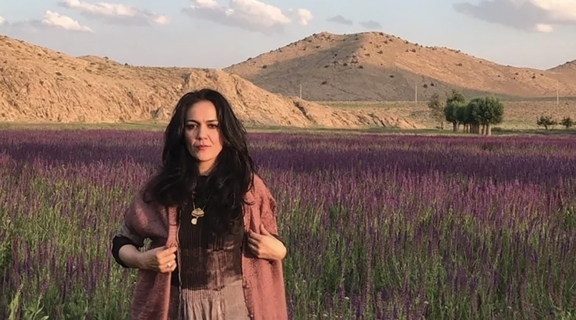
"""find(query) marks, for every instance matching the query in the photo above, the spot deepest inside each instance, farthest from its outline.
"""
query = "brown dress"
(208, 281)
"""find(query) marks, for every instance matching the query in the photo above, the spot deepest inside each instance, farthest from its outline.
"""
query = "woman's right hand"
(158, 259)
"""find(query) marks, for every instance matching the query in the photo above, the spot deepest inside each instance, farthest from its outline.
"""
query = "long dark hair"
(230, 178)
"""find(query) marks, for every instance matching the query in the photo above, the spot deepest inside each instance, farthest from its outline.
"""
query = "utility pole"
(416, 93)
(300, 91)
(557, 93)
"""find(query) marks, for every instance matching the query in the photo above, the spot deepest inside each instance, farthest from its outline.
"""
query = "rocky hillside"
(41, 85)
(379, 66)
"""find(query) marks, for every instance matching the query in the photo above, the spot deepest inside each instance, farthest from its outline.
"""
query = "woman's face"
(202, 133)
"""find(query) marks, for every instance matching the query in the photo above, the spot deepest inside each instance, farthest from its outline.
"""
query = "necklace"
(196, 213)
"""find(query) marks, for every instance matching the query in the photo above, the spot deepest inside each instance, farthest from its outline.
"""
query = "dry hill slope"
(568, 68)
(41, 85)
(378, 66)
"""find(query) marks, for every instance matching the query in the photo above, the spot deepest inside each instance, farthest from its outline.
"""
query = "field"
(518, 115)
(377, 226)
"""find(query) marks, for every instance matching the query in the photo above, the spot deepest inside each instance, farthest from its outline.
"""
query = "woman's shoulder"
(259, 187)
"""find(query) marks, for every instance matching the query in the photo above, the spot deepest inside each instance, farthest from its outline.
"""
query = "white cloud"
(56, 20)
(50, 20)
(304, 16)
(544, 28)
(527, 15)
(116, 13)
(251, 15)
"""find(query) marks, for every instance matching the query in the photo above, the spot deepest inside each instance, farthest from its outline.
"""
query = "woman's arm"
(266, 244)
(125, 252)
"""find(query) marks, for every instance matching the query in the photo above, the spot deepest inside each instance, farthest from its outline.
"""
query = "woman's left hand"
(265, 245)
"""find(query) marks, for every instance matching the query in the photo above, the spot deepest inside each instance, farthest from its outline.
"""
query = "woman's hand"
(159, 259)
(265, 245)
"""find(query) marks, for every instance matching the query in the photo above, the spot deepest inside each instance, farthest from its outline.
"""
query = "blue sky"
(217, 33)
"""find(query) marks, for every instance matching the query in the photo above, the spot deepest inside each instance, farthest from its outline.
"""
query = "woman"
(215, 252)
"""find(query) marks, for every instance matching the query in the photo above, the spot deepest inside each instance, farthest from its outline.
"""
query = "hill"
(377, 66)
(566, 68)
(41, 85)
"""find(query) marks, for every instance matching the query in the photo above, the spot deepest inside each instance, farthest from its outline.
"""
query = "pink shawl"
(263, 280)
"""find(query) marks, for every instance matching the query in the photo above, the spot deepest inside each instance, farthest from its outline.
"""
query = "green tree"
(450, 114)
(455, 96)
(474, 114)
(465, 117)
(567, 122)
(491, 112)
(436, 106)
(546, 122)
(454, 101)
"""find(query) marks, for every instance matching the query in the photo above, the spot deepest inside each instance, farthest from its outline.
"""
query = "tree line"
(477, 115)
(548, 121)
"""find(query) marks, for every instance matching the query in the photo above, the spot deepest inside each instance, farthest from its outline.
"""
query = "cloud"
(544, 28)
(526, 15)
(341, 20)
(251, 15)
(55, 20)
(50, 20)
(304, 16)
(371, 24)
(116, 13)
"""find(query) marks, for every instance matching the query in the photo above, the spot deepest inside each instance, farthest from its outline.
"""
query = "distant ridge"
(378, 66)
(42, 85)
(566, 68)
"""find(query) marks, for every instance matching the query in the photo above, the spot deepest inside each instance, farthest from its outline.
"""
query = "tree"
(465, 117)
(451, 116)
(546, 122)
(436, 106)
(455, 96)
(473, 114)
(567, 122)
(454, 102)
(491, 112)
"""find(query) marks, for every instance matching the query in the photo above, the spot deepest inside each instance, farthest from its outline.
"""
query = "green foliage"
(567, 122)
(6, 234)
(455, 96)
(451, 113)
(477, 116)
(455, 102)
(491, 111)
(546, 122)
(436, 106)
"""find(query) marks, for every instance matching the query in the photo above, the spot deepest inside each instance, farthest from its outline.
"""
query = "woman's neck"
(204, 171)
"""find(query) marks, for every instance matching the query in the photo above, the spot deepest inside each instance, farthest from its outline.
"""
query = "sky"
(217, 33)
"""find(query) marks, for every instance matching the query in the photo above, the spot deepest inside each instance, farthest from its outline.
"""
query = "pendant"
(196, 213)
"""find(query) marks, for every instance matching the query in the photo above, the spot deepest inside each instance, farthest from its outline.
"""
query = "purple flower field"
(377, 227)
